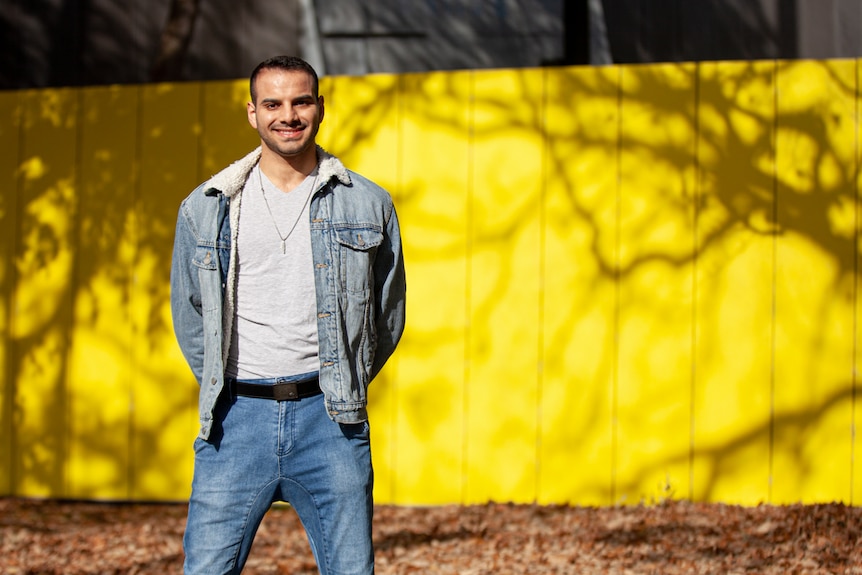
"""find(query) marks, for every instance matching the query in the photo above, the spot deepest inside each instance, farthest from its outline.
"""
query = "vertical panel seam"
(540, 312)
(774, 230)
(132, 481)
(12, 344)
(695, 268)
(617, 290)
(468, 248)
(393, 385)
(855, 288)
(75, 230)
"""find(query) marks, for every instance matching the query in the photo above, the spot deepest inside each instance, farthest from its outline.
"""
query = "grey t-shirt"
(275, 328)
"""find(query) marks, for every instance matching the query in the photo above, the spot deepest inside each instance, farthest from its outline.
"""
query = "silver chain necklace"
(268, 209)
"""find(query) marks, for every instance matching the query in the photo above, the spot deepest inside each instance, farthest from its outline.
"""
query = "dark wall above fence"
(686, 30)
(85, 42)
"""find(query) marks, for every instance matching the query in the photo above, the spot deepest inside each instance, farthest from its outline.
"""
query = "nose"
(290, 115)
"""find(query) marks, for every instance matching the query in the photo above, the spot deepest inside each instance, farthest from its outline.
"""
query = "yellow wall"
(625, 283)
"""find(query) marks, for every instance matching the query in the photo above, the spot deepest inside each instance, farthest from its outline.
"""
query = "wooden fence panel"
(654, 268)
(503, 222)
(624, 283)
(578, 296)
(10, 133)
(100, 356)
(856, 469)
(814, 281)
(735, 278)
(43, 292)
(428, 437)
(164, 391)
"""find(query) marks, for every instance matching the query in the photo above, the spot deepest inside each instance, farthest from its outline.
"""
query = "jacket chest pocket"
(357, 247)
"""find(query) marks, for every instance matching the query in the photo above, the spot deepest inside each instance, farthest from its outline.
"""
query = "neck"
(287, 173)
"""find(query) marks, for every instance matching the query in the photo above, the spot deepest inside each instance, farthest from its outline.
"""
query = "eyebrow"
(302, 98)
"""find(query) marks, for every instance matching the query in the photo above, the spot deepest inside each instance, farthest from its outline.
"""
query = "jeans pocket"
(359, 430)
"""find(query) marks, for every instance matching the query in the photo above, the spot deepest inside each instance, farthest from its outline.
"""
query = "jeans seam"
(286, 436)
(245, 522)
(324, 553)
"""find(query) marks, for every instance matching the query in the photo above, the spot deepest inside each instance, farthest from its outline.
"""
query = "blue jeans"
(262, 451)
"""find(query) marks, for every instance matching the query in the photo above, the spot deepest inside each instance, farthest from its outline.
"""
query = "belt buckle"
(285, 391)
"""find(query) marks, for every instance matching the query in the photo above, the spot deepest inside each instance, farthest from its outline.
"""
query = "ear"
(321, 108)
(252, 115)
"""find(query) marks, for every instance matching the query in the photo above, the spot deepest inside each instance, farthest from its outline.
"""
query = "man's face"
(286, 114)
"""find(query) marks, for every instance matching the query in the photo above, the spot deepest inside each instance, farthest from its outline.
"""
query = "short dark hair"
(288, 63)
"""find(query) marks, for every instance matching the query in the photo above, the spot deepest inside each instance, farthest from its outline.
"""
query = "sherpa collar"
(231, 180)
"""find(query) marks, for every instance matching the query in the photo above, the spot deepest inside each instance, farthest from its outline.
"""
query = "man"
(287, 293)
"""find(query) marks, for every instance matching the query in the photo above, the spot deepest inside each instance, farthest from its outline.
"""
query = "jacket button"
(208, 258)
(213, 381)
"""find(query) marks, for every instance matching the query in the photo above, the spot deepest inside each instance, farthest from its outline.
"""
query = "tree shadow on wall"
(705, 214)
(728, 239)
(637, 232)
(99, 400)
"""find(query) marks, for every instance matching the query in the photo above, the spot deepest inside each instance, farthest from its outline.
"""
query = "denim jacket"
(358, 277)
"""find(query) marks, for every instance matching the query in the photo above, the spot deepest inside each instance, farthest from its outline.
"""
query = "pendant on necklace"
(283, 248)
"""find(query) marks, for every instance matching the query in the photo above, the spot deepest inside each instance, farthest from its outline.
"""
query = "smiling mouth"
(289, 131)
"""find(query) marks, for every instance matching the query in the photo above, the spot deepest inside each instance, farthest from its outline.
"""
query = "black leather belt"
(279, 391)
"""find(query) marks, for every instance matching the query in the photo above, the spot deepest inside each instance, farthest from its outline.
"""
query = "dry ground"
(70, 538)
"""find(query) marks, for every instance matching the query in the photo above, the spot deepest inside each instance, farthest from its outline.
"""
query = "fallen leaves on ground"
(72, 538)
